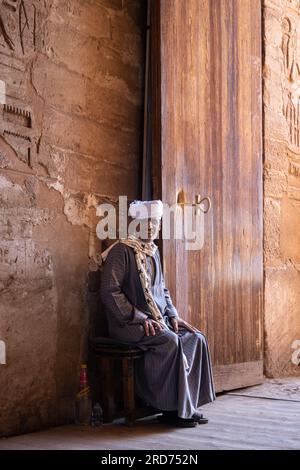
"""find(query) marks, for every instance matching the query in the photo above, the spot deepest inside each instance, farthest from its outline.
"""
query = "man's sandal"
(199, 418)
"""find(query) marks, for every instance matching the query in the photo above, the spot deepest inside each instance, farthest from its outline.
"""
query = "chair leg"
(106, 379)
(128, 390)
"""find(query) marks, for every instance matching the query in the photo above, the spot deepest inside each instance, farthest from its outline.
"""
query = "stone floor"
(262, 417)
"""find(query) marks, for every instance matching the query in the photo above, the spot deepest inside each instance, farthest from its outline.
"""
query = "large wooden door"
(208, 141)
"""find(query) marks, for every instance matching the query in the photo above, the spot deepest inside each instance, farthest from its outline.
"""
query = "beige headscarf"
(141, 250)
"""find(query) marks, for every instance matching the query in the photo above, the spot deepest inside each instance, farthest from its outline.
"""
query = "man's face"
(150, 227)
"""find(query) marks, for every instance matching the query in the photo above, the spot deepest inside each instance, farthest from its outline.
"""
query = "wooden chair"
(108, 353)
(112, 365)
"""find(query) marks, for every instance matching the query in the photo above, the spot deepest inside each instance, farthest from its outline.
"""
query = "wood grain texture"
(233, 376)
(209, 85)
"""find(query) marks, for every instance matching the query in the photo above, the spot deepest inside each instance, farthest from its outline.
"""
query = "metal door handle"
(198, 202)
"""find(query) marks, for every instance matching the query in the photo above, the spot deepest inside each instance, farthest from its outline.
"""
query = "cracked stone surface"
(70, 135)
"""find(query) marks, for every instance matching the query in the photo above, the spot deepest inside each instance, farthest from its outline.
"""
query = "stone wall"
(70, 137)
(282, 184)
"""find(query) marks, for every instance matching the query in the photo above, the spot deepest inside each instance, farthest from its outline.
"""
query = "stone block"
(290, 231)
(84, 136)
(282, 319)
(272, 211)
(275, 184)
(85, 16)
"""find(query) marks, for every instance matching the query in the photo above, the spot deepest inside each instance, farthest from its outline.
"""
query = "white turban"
(146, 209)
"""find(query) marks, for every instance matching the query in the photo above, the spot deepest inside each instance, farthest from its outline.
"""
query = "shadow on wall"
(97, 327)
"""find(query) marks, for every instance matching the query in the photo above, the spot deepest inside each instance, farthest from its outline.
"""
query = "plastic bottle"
(83, 399)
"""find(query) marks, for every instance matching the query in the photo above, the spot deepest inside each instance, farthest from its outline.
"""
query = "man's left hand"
(179, 323)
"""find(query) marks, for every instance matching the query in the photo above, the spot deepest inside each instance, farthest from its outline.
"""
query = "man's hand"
(179, 323)
(150, 327)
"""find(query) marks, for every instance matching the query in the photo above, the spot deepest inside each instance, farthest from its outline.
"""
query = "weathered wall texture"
(69, 136)
(282, 184)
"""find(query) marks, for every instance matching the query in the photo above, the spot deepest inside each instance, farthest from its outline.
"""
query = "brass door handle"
(198, 202)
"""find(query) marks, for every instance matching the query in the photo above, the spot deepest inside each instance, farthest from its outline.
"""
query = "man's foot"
(186, 423)
(197, 416)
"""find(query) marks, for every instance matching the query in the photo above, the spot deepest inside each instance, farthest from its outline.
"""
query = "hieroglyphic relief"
(290, 49)
(24, 24)
(18, 254)
(16, 127)
(23, 260)
(12, 4)
(292, 115)
(291, 82)
(294, 169)
(18, 23)
(4, 34)
(18, 38)
(294, 5)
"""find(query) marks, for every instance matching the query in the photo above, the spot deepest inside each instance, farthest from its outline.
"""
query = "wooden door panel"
(209, 84)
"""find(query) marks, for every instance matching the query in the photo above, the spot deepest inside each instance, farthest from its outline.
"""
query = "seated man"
(175, 374)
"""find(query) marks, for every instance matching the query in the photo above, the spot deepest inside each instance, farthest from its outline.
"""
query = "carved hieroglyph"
(16, 127)
(290, 49)
(18, 26)
(18, 22)
(294, 5)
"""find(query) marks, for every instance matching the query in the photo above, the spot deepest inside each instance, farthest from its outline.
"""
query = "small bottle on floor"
(83, 399)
